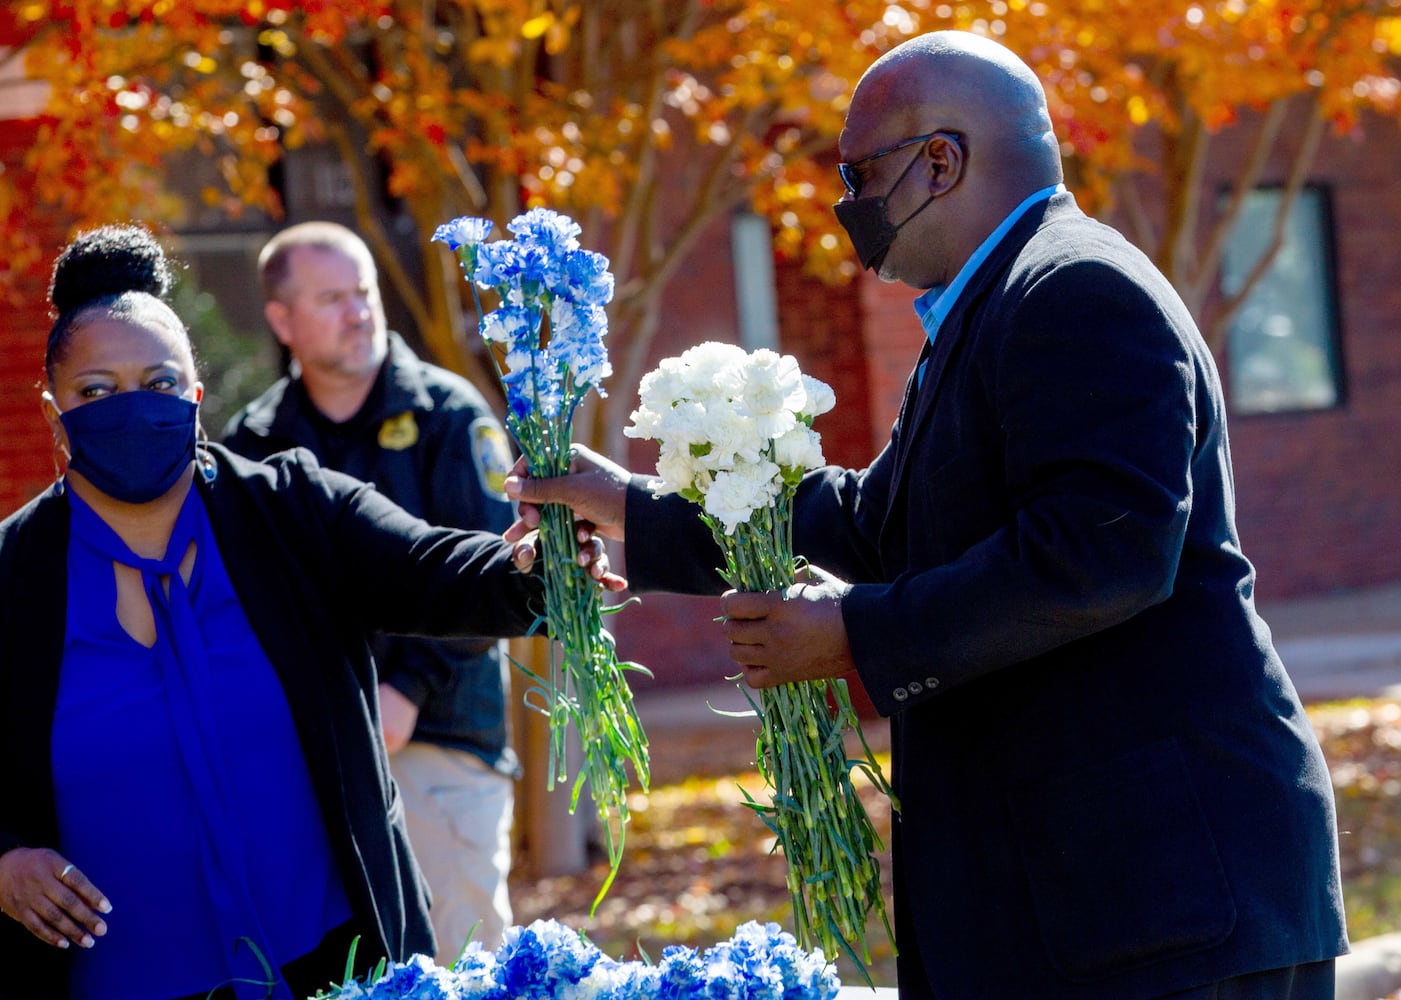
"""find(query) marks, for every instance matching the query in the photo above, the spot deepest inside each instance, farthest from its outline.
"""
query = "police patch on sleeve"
(491, 454)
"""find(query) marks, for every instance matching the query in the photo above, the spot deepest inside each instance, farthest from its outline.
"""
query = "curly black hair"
(109, 261)
(97, 269)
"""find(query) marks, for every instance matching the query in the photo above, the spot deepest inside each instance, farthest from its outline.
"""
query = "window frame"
(1331, 340)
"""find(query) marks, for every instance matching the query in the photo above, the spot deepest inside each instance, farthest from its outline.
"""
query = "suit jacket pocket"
(1121, 864)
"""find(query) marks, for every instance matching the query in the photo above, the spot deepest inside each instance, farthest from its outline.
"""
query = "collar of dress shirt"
(934, 305)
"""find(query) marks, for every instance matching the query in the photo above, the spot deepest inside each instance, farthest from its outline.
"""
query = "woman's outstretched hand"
(592, 555)
(51, 897)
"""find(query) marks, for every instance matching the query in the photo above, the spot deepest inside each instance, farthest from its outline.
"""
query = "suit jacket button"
(899, 694)
(931, 682)
(916, 687)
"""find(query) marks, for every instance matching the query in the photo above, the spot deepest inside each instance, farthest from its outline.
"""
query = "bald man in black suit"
(1108, 786)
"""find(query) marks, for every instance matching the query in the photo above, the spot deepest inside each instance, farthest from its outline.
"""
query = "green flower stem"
(587, 688)
(814, 812)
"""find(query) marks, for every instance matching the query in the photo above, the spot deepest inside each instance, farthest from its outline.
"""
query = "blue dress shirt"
(934, 305)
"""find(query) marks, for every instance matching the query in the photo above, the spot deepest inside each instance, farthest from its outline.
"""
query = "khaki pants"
(459, 814)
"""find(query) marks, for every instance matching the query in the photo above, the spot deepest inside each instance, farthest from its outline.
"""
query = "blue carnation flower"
(498, 264)
(583, 277)
(535, 388)
(464, 231)
(551, 961)
(514, 326)
(682, 973)
(536, 961)
(417, 979)
(477, 974)
(576, 339)
(551, 230)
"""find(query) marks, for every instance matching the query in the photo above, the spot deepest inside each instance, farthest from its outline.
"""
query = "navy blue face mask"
(133, 446)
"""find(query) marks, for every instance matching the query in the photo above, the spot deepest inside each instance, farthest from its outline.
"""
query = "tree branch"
(1198, 286)
(1303, 159)
(1140, 225)
(367, 219)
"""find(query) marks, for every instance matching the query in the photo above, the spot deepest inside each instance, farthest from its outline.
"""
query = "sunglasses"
(851, 175)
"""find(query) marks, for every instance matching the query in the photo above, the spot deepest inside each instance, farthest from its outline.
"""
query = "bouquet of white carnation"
(549, 324)
(736, 436)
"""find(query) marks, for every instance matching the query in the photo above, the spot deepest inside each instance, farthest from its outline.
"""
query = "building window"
(1282, 347)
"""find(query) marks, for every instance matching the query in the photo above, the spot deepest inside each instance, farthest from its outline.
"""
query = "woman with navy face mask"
(196, 796)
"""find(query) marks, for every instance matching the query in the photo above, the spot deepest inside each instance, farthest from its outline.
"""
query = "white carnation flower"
(679, 471)
(737, 493)
(683, 425)
(733, 426)
(662, 386)
(732, 436)
(799, 450)
(714, 366)
(819, 398)
(772, 392)
(645, 422)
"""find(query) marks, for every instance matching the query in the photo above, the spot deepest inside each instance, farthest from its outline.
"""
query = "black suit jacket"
(1108, 785)
(317, 559)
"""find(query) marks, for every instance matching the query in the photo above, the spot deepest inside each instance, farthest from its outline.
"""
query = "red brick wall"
(893, 340)
(822, 328)
(1319, 494)
(25, 447)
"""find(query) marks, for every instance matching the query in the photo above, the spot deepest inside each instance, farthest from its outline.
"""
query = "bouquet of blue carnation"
(549, 961)
(544, 281)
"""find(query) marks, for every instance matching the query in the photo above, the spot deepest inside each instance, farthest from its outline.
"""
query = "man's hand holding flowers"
(789, 636)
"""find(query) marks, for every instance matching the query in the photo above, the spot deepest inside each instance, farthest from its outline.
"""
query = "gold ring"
(64, 874)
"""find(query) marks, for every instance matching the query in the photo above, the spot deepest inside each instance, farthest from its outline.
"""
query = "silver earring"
(208, 471)
(59, 467)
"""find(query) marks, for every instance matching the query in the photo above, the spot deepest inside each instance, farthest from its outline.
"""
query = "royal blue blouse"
(182, 791)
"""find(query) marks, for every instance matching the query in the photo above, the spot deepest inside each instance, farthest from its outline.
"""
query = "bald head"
(965, 83)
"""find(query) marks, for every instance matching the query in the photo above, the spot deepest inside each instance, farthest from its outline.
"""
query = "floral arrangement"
(735, 431)
(543, 274)
(549, 961)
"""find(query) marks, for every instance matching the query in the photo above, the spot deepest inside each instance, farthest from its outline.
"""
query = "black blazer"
(317, 559)
(1108, 785)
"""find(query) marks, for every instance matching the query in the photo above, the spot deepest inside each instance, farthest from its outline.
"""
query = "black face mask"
(866, 223)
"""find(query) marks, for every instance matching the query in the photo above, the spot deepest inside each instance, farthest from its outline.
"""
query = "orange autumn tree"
(1143, 90)
(647, 120)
